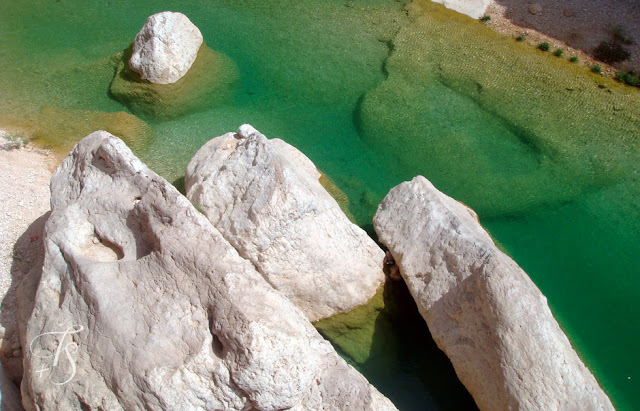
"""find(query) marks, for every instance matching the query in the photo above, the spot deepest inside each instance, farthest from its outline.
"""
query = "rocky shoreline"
(162, 301)
(156, 309)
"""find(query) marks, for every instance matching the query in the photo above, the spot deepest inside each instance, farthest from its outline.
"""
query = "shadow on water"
(404, 363)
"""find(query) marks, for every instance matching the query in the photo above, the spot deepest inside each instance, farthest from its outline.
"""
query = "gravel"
(25, 172)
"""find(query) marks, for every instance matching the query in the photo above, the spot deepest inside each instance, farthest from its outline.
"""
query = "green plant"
(544, 46)
(628, 78)
(574, 59)
(596, 68)
(611, 52)
(13, 141)
(558, 52)
(520, 38)
(485, 18)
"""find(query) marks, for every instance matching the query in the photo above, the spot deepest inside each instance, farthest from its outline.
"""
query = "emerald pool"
(375, 92)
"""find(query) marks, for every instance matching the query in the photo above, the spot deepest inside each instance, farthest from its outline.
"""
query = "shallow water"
(546, 152)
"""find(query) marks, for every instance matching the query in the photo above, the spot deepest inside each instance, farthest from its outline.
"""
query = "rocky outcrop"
(482, 309)
(265, 198)
(165, 48)
(142, 304)
(472, 8)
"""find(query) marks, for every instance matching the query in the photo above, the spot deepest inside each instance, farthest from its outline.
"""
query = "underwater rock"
(208, 83)
(165, 48)
(265, 198)
(472, 8)
(61, 128)
(482, 309)
(149, 307)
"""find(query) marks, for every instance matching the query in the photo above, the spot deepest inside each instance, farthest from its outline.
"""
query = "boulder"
(535, 8)
(165, 48)
(264, 197)
(142, 304)
(482, 309)
(207, 84)
(472, 8)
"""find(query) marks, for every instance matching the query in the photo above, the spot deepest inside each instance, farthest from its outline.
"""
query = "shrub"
(12, 142)
(558, 52)
(574, 59)
(611, 52)
(485, 18)
(596, 68)
(621, 35)
(520, 38)
(544, 46)
(628, 78)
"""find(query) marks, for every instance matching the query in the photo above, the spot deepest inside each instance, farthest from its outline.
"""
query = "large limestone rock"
(155, 310)
(165, 48)
(482, 309)
(472, 8)
(265, 198)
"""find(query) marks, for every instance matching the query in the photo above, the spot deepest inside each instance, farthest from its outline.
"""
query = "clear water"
(373, 93)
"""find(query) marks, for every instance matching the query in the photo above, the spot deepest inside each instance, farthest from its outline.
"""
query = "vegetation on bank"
(609, 52)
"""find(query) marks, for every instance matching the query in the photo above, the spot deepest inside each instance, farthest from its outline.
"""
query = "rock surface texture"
(149, 307)
(165, 48)
(482, 309)
(472, 8)
(265, 198)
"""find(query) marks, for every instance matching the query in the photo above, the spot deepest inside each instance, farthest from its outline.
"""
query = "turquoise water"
(374, 96)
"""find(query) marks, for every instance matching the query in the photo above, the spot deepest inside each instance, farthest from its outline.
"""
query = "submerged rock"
(165, 48)
(472, 8)
(170, 47)
(142, 304)
(208, 83)
(482, 309)
(264, 197)
(61, 128)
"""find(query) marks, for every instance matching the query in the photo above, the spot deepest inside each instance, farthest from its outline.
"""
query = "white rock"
(163, 313)
(265, 198)
(472, 8)
(165, 48)
(482, 309)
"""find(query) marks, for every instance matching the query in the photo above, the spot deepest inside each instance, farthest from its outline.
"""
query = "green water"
(374, 93)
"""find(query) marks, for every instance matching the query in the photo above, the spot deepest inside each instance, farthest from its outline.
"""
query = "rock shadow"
(28, 257)
(406, 364)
